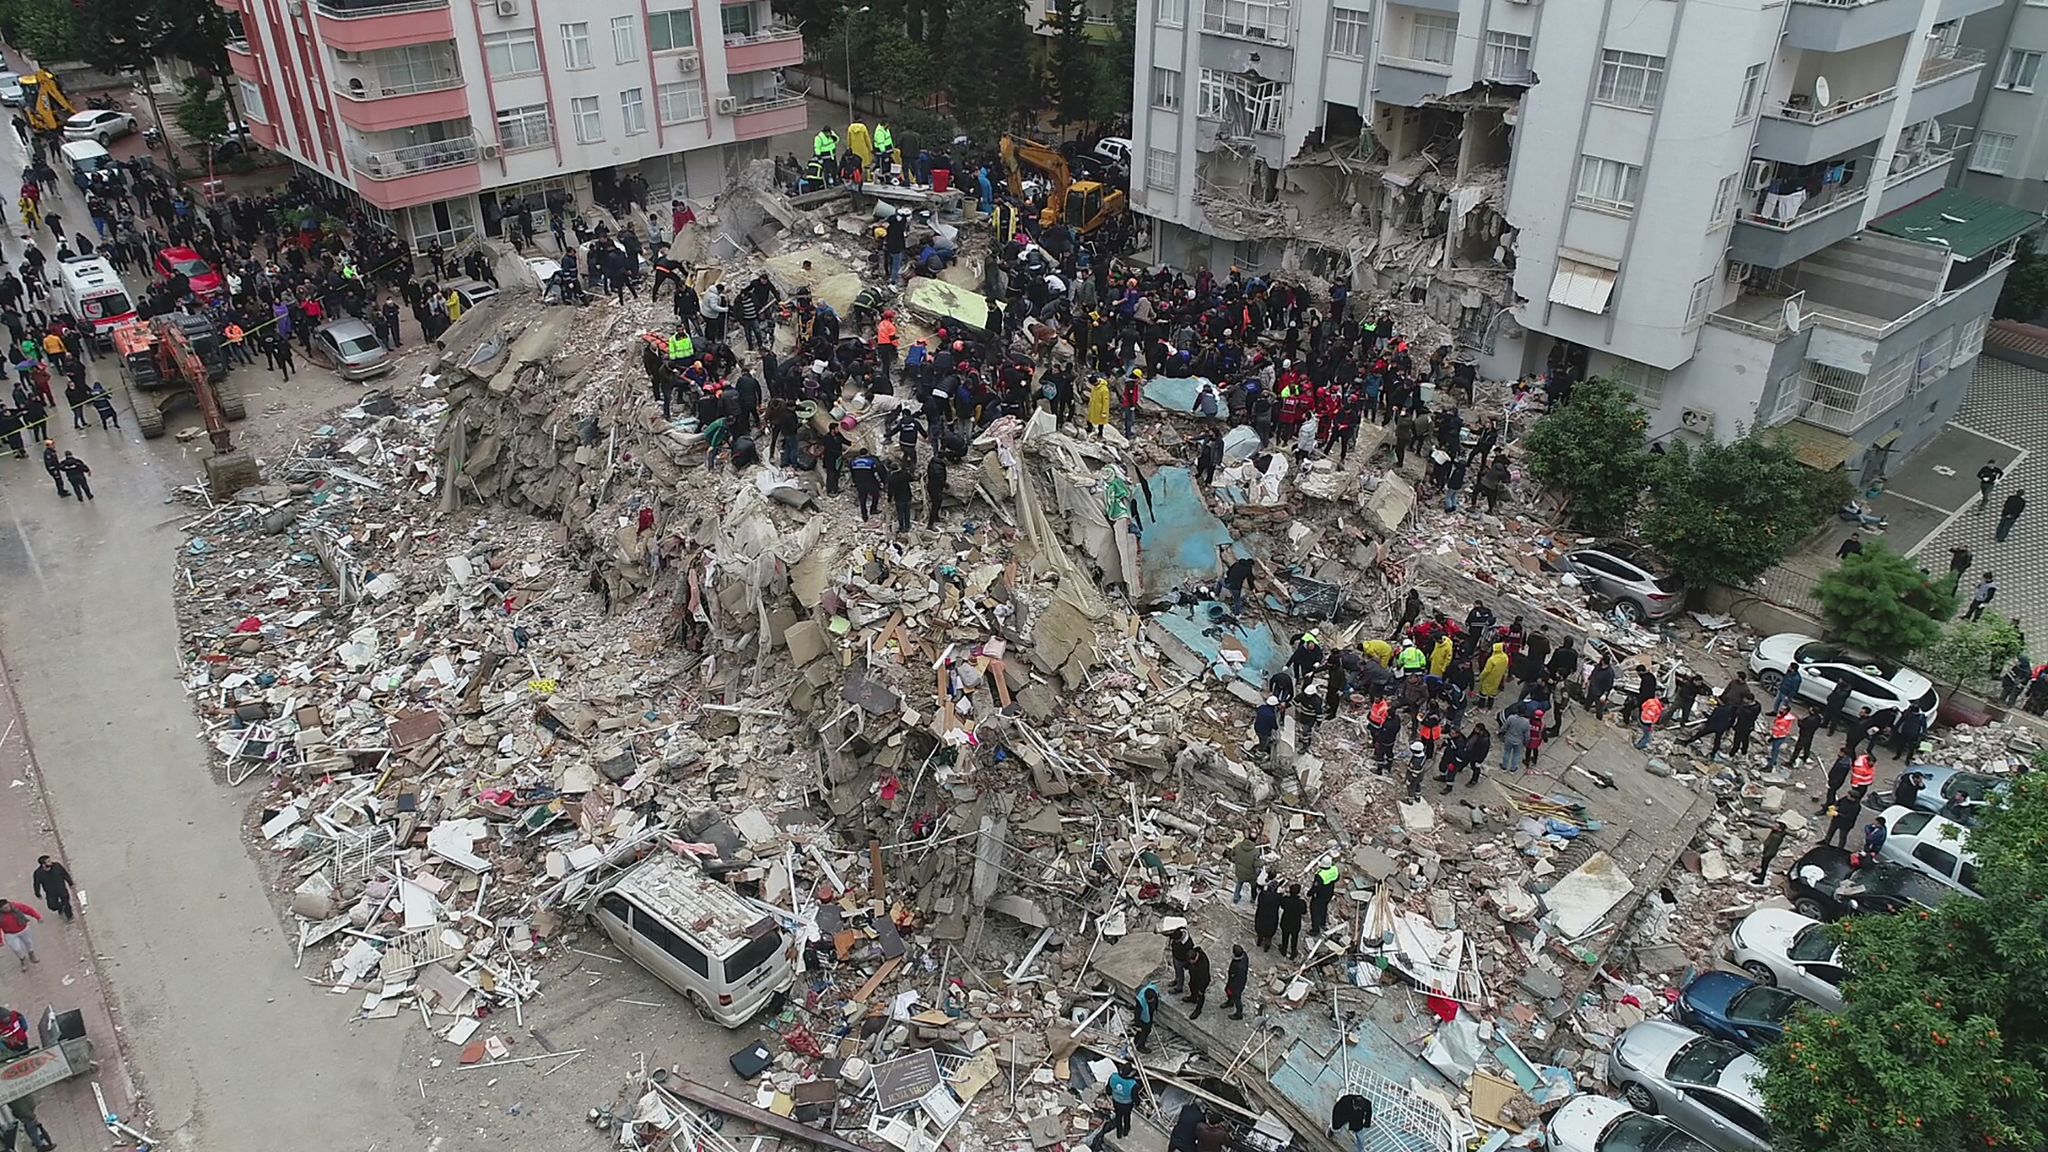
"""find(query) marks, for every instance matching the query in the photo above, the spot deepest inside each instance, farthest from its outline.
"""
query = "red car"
(204, 279)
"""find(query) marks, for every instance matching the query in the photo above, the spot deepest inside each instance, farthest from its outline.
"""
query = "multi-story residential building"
(2009, 151)
(445, 116)
(1738, 208)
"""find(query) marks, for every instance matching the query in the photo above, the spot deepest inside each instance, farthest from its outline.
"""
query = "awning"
(1582, 286)
(1969, 224)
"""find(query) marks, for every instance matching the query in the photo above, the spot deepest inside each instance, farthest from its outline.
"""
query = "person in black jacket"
(1233, 983)
(53, 884)
(1352, 1114)
(1292, 908)
(1198, 980)
(898, 483)
(1266, 916)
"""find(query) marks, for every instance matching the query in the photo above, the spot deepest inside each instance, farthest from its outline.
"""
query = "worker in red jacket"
(14, 918)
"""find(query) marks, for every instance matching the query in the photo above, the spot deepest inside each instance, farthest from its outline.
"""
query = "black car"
(1846, 885)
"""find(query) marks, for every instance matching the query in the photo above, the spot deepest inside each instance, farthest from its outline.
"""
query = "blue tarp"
(1177, 393)
(1197, 627)
(1181, 535)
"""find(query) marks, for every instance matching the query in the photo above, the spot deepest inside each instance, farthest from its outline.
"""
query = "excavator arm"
(45, 101)
(1019, 153)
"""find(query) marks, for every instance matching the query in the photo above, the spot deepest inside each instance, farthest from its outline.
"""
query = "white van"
(1935, 845)
(85, 156)
(698, 936)
(88, 288)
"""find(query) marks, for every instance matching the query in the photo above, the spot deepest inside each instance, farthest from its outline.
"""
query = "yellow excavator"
(1087, 205)
(44, 102)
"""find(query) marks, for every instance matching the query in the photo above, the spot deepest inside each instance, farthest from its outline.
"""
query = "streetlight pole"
(851, 116)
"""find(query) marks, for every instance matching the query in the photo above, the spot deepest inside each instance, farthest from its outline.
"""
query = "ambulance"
(88, 289)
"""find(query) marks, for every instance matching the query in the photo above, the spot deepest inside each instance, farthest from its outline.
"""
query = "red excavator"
(171, 357)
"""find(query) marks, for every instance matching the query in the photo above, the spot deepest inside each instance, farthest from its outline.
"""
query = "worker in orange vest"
(1653, 711)
(1782, 727)
(1862, 774)
(885, 344)
(237, 350)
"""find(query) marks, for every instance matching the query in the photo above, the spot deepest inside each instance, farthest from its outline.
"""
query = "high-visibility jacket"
(823, 144)
(1380, 711)
(1430, 733)
(1328, 875)
(884, 141)
(1412, 659)
(1863, 772)
(1783, 725)
(1005, 220)
(1653, 710)
(885, 332)
(233, 333)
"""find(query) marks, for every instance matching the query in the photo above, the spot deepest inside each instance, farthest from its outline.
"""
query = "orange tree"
(1943, 1043)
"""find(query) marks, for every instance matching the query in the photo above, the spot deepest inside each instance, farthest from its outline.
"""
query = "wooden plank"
(887, 970)
(718, 1101)
(881, 880)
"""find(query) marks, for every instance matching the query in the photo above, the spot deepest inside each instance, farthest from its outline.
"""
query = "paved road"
(233, 1049)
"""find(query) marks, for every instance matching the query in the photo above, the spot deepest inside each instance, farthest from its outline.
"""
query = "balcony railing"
(765, 36)
(1807, 213)
(239, 44)
(1413, 64)
(768, 103)
(359, 11)
(358, 88)
(1947, 62)
(395, 163)
(1770, 325)
(1808, 114)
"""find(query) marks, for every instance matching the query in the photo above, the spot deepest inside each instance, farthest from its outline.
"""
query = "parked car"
(101, 124)
(351, 348)
(1637, 582)
(1591, 1122)
(1935, 846)
(1709, 1088)
(203, 278)
(470, 292)
(1737, 1009)
(1829, 883)
(1953, 792)
(10, 89)
(1874, 683)
(1786, 950)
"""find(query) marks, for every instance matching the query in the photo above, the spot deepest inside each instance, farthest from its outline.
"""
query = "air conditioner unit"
(688, 63)
(1737, 271)
(1697, 420)
(1760, 174)
(488, 151)
(508, 7)
(346, 57)
(727, 105)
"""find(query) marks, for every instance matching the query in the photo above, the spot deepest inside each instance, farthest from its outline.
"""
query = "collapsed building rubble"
(488, 638)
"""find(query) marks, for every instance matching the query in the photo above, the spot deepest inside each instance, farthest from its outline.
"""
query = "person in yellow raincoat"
(454, 307)
(861, 144)
(1440, 656)
(1494, 673)
(1379, 652)
(1098, 405)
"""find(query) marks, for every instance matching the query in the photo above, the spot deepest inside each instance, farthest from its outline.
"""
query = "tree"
(47, 29)
(1943, 1042)
(987, 66)
(1591, 450)
(1726, 512)
(1880, 602)
(202, 113)
(1073, 66)
(1114, 61)
(1972, 653)
(2025, 295)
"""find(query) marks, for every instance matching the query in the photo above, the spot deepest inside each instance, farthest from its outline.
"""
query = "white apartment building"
(444, 116)
(2009, 152)
(1738, 207)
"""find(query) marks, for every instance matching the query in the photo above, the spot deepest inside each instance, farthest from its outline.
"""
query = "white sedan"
(1786, 950)
(101, 124)
(1594, 1123)
(1874, 683)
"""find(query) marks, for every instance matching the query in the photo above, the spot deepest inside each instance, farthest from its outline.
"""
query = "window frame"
(1211, 94)
(725, 10)
(1170, 13)
(1727, 201)
(633, 110)
(524, 117)
(586, 113)
(662, 94)
(1217, 17)
(1970, 340)
(509, 42)
(2016, 61)
(626, 48)
(251, 110)
(666, 18)
(1627, 177)
(1700, 302)
(1166, 86)
(1647, 382)
(1615, 64)
(1497, 45)
(1751, 98)
(1433, 25)
(1169, 179)
(576, 53)
(1978, 163)
(1356, 27)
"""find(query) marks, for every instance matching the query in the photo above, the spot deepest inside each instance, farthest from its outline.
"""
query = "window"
(2018, 72)
(658, 934)
(1752, 93)
(1968, 877)
(736, 19)
(1970, 342)
(1993, 151)
(1731, 1110)
(416, 68)
(1910, 823)
(751, 955)
(1646, 382)
(1252, 19)
(679, 102)
(1507, 58)
(1607, 183)
(1209, 94)
(1349, 36)
(670, 31)
(633, 111)
(525, 127)
(1932, 363)
(625, 41)
(249, 98)
(1432, 37)
(1166, 89)
(1724, 202)
(1268, 105)
(1162, 168)
(1702, 298)
(576, 46)
(589, 119)
(1630, 79)
(1943, 862)
(1171, 13)
(514, 53)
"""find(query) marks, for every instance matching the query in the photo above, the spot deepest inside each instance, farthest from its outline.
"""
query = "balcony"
(243, 63)
(1947, 81)
(770, 116)
(417, 88)
(261, 131)
(1839, 25)
(1761, 316)
(1409, 83)
(769, 48)
(1778, 232)
(416, 173)
(353, 26)
(1798, 132)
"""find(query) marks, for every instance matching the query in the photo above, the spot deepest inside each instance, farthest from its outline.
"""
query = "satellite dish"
(1934, 132)
(1792, 317)
(1821, 95)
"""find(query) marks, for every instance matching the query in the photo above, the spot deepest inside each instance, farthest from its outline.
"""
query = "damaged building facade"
(1740, 211)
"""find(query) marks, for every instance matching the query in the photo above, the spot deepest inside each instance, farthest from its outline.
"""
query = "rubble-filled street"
(612, 791)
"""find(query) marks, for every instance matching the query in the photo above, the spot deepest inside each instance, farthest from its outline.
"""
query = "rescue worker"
(885, 152)
(1320, 894)
(825, 154)
(1148, 1007)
